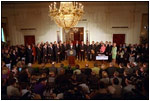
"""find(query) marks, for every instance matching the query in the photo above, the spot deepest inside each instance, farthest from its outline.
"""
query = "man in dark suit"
(57, 53)
(77, 48)
(97, 48)
(50, 53)
(65, 50)
(45, 54)
(68, 45)
(61, 51)
(88, 51)
(93, 51)
(125, 57)
(108, 51)
(29, 54)
(82, 51)
(14, 58)
(54, 46)
(39, 53)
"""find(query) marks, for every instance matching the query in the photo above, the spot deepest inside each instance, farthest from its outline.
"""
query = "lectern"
(71, 56)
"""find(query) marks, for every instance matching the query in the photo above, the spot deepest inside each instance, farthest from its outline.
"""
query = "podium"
(71, 56)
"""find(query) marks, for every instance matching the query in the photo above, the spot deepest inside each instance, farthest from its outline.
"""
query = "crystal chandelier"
(68, 15)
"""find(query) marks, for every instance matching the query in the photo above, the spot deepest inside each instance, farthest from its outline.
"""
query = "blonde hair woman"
(114, 53)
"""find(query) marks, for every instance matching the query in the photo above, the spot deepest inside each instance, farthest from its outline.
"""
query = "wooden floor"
(80, 63)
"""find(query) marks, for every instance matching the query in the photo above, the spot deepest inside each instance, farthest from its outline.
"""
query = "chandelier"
(68, 14)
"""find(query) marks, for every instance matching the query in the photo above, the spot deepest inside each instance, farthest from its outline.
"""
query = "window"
(3, 36)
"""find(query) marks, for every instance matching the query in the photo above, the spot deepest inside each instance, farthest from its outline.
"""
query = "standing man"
(65, 50)
(108, 51)
(39, 54)
(77, 48)
(61, 50)
(54, 47)
(57, 53)
(45, 53)
(88, 51)
(29, 55)
(97, 48)
(82, 51)
(93, 51)
(50, 53)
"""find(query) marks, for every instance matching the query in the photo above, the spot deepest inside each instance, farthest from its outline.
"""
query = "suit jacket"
(82, 47)
(57, 50)
(68, 46)
(93, 47)
(38, 51)
(88, 49)
(29, 53)
(73, 47)
(77, 48)
(50, 51)
(44, 51)
(97, 48)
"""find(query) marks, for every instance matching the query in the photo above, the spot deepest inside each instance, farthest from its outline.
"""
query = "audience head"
(115, 81)
(128, 65)
(51, 74)
(120, 65)
(127, 81)
(104, 74)
(6, 51)
(42, 81)
(12, 81)
(116, 74)
(102, 85)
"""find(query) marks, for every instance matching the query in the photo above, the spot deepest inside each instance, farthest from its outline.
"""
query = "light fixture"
(68, 14)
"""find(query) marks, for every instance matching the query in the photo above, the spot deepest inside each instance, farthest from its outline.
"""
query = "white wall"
(101, 17)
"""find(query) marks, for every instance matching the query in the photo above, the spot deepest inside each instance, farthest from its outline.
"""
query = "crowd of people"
(49, 52)
(128, 81)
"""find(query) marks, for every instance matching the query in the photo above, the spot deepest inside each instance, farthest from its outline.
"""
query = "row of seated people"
(49, 52)
(97, 82)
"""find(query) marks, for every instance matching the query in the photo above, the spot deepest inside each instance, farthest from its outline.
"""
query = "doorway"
(119, 39)
(29, 39)
(73, 34)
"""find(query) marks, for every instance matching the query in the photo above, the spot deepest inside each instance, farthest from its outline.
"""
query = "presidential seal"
(71, 52)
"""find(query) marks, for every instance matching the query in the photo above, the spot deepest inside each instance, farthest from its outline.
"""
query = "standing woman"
(114, 53)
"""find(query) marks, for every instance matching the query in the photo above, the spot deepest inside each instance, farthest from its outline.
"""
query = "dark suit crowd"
(49, 52)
